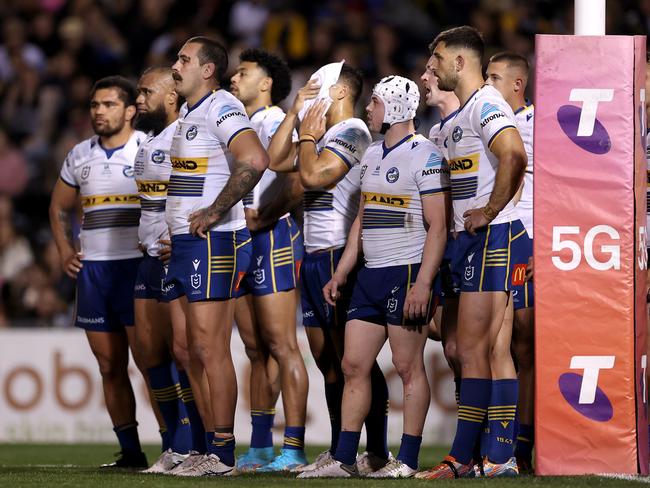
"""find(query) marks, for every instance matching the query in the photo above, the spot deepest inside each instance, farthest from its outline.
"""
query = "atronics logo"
(580, 123)
(582, 391)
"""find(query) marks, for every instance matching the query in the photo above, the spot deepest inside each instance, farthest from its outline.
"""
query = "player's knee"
(181, 354)
(468, 352)
(280, 350)
(112, 368)
(406, 367)
(353, 368)
(451, 351)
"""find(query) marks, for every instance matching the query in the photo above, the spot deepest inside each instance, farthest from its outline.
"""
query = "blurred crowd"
(52, 51)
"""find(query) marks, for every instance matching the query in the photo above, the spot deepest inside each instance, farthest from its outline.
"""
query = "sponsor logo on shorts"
(88, 320)
(392, 305)
(308, 314)
(140, 287)
(518, 274)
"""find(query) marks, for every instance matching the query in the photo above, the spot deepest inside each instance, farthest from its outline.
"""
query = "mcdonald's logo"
(518, 274)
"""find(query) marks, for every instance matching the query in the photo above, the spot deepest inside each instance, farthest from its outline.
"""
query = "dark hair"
(353, 78)
(275, 68)
(166, 71)
(211, 52)
(464, 37)
(126, 89)
(512, 59)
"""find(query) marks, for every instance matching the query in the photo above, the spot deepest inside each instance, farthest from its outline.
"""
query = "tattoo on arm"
(66, 225)
(242, 180)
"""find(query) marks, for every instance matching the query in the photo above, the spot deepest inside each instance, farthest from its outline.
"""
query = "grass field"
(67, 466)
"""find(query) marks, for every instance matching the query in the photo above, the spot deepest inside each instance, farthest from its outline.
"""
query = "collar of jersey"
(386, 150)
(448, 118)
(468, 100)
(261, 109)
(189, 109)
(111, 151)
(527, 104)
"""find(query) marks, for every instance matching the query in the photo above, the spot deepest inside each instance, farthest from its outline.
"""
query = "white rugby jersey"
(525, 118)
(393, 183)
(473, 166)
(439, 134)
(330, 213)
(152, 169)
(201, 161)
(266, 121)
(109, 197)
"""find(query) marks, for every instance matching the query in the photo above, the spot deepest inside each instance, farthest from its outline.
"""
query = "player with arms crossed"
(99, 173)
(332, 143)
(266, 313)
(216, 158)
(401, 230)
(487, 161)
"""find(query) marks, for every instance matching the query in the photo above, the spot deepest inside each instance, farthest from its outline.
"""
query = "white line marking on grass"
(627, 477)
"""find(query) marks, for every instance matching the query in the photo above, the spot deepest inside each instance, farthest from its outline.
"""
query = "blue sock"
(474, 400)
(199, 435)
(127, 436)
(334, 398)
(167, 394)
(346, 449)
(377, 419)
(501, 417)
(294, 438)
(164, 437)
(483, 441)
(525, 441)
(457, 381)
(409, 450)
(224, 447)
(262, 421)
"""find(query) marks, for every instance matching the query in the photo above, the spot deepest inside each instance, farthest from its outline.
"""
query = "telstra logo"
(582, 391)
(580, 123)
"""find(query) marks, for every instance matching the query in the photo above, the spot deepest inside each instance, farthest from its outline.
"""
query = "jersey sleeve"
(491, 118)
(269, 128)
(228, 120)
(349, 145)
(67, 173)
(431, 172)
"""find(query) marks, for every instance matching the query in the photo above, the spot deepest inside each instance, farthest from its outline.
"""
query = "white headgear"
(401, 98)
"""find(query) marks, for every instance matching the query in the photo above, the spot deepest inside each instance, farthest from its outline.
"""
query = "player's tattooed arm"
(63, 201)
(250, 162)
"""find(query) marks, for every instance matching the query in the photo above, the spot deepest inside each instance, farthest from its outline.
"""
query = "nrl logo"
(195, 281)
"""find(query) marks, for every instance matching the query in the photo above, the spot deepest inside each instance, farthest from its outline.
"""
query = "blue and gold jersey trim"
(237, 134)
(464, 188)
(339, 155)
(317, 201)
(152, 205)
(185, 186)
(378, 218)
(498, 133)
(111, 217)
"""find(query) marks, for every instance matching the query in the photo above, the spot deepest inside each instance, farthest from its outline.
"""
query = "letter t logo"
(589, 98)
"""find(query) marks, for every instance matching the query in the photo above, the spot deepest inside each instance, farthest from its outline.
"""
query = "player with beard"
(217, 158)
(157, 105)
(98, 173)
(487, 159)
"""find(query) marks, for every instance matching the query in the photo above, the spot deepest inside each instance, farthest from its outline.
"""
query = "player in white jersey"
(401, 231)
(443, 325)
(158, 105)
(266, 309)
(98, 172)
(487, 161)
(508, 73)
(217, 158)
(332, 143)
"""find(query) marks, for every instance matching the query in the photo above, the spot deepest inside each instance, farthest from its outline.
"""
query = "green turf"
(44, 466)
